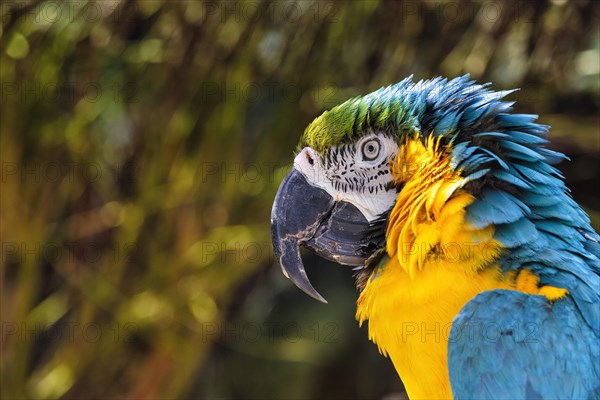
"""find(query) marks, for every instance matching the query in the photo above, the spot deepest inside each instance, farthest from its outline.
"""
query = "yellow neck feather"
(428, 218)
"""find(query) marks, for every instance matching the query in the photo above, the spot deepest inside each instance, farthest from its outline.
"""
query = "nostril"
(311, 161)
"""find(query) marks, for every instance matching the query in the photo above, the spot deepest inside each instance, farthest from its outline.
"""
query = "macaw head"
(390, 159)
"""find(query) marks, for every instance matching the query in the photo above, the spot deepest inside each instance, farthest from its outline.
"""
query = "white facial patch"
(357, 172)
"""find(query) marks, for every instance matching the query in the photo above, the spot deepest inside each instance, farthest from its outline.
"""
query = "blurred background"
(142, 143)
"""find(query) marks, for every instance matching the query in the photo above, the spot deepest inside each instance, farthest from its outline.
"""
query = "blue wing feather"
(521, 152)
(517, 233)
(535, 176)
(526, 138)
(511, 178)
(508, 344)
(544, 230)
(495, 207)
(552, 157)
(499, 160)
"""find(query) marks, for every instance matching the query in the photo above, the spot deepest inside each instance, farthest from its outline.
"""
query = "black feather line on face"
(339, 163)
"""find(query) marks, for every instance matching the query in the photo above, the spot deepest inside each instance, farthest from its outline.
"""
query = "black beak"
(306, 215)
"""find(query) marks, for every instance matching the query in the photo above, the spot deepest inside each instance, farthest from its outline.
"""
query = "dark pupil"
(371, 148)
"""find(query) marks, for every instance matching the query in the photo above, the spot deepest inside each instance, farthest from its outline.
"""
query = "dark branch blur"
(142, 145)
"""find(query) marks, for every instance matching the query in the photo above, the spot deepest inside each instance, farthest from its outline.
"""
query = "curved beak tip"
(310, 290)
(293, 268)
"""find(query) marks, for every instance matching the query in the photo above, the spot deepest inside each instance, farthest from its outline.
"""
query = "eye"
(370, 149)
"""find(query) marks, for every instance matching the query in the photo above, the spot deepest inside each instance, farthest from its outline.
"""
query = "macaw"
(477, 272)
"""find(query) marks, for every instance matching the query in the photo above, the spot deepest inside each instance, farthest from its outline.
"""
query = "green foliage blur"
(143, 141)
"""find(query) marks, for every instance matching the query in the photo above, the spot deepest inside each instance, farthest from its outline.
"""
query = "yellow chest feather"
(410, 320)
